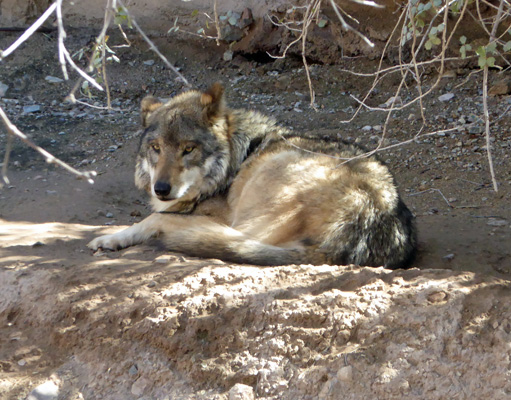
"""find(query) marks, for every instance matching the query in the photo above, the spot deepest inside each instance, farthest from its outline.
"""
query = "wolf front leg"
(135, 234)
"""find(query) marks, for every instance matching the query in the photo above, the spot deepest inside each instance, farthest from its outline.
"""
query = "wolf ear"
(148, 106)
(213, 102)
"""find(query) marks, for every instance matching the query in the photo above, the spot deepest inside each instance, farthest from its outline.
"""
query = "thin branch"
(13, 130)
(152, 46)
(29, 31)
(62, 37)
(7, 154)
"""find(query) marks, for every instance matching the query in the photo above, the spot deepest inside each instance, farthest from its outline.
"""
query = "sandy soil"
(147, 324)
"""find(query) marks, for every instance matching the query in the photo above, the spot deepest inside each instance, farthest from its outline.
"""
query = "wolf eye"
(155, 147)
(188, 150)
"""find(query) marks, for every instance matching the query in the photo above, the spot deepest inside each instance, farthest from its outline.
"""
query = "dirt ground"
(144, 323)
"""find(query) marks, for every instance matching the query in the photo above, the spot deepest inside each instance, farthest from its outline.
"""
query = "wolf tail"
(202, 237)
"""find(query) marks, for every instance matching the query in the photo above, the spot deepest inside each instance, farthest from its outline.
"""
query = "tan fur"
(290, 201)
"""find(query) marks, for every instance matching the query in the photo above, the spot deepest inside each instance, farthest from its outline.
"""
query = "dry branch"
(51, 159)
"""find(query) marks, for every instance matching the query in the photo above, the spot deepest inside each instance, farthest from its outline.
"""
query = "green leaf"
(463, 39)
(507, 46)
(481, 62)
(481, 51)
(437, 3)
(463, 52)
(441, 27)
(195, 13)
(322, 23)
(434, 39)
(433, 31)
(490, 61)
(491, 48)
(420, 23)
(427, 6)
(428, 45)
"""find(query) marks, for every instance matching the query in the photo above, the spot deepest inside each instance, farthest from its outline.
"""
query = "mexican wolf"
(232, 184)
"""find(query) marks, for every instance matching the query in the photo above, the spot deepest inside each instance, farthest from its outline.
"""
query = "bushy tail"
(208, 239)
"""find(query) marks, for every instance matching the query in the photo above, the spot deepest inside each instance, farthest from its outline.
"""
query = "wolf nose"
(162, 189)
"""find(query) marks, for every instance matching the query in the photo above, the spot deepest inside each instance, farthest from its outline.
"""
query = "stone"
(446, 97)
(241, 392)
(345, 374)
(500, 88)
(46, 391)
(3, 89)
(31, 109)
(53, 79)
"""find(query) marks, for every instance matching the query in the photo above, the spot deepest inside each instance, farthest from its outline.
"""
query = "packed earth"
(144, 323)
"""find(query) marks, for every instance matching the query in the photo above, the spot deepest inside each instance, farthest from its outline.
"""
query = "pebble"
(3, 89)
(133, 370)
(109, 215)
(53, 79)
(31, 109)
(46, 391)
(151, 284)
(149, 62)
(345, 374)
(241, 392)
(22, 363)
(139, 386)
(367, 128)
(496, 222)
(228, 55)
(446, 97)
(448, 257)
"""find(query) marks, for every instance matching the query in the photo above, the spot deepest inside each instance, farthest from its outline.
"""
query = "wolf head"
(184, 149)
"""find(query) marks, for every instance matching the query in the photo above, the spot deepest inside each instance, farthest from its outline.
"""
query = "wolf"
(232, 184)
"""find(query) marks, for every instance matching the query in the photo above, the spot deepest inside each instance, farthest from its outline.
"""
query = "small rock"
(396, 100)
(228, 55)
(135, 213)
(46, 391)
(31, 109)
(38, 244)
(446, 97)
(496, 222)
(436, 297)
(151, 284)
(133, 370)
(139, 386)
(22, 363)
(62, 133)
(367, 128)
(149, 62)
(53, 79)
(3, 89)
(475, 130)
(500, 88)
(246, 18)
(109, 215)
(241, 392)
(448, 257)
(377, 128)
(345, 374)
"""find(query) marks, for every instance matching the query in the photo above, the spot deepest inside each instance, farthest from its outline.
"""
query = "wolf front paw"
(106, 242)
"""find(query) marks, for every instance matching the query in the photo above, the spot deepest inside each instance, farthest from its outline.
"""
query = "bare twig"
(496, 23)
(217, 24)
(152, 46)
(13, 130)
(431, 190)
(29, 31)
(7, 154)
